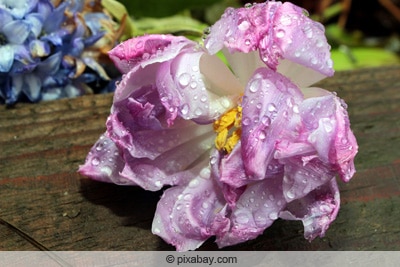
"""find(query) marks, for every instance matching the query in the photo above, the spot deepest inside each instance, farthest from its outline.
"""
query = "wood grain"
(42, 196)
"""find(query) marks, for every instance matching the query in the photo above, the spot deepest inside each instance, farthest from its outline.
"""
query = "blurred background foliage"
(362, 33)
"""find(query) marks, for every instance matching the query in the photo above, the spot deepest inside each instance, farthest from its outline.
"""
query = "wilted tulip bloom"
(237, 146)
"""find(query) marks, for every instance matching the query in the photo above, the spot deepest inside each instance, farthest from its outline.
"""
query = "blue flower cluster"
(52, 49)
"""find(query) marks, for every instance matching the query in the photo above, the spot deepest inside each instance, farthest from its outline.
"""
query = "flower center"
(228, 129)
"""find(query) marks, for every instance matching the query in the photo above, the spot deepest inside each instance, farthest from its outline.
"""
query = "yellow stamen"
(228, 129)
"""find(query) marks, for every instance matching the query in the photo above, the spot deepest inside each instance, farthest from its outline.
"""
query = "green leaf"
(118, 11)
(163, 8)
(346, 58)
(178, 24)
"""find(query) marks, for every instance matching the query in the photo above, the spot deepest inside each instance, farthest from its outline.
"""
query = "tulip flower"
(237, 146)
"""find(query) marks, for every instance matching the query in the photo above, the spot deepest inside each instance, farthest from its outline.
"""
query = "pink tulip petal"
(317, 210)
(256, 209)
(278, 31)
(104, 163)
(188, 215)
(269, 104)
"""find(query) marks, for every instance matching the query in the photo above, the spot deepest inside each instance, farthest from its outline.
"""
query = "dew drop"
(286, 20)
(290, 194)
(244, 26)
(246, 121)
(247, 42)
(327, 125)
(198, 112)
(213, 160)
(297, 54)
(106, 170)
(193, 85)
(156, 230)
(273, 216)
(139, 45)
(194, 183)
(188, 196)
(99, 146)
(255, 85)
(262, 135)
(266, 120)
(204, 205)
(280, 34)
(296, 109)
(195, 68)
(203, 98)
(271, 107)
(185, 109)
(242, 218)
(205, 173)
(95, 161)
(308, 31)
(314, 61)
(319, 43)
(184, 79)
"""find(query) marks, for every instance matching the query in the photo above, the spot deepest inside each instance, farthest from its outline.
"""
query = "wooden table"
(46, 204)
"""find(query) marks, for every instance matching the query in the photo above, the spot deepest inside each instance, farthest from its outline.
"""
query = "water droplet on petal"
(246, 121)
(95, 161)
(266, 120)
(185, 109)
(314, 61)
(327, 125)
(308, 31)
(255, 85)
(262, 135)
(296, 109)
(273, 216)
(106, 170)
(195, 68)
(247, 42)
(271, 107)
(139, 45)
(286, 20)
(280, 34)
(198, 112)
(242, 219)
(193, 85)
(184, 79)
(290, 194)
(205, 173)
(213, 160)
(193, 183)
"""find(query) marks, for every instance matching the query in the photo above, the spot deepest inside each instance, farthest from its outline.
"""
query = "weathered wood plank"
(42, 145)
